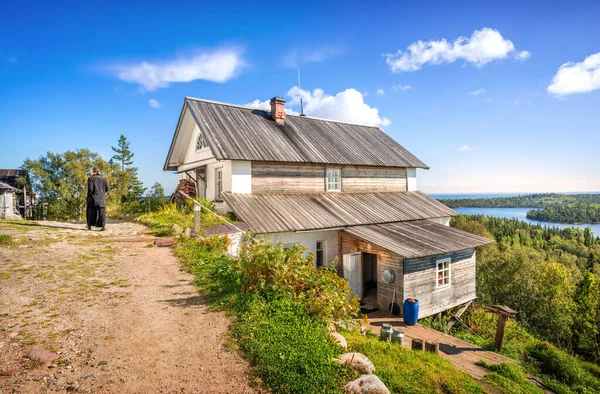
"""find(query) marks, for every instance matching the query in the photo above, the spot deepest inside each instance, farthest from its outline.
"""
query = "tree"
(60, 179)
(128, 188)
(123, 155)
(155, 196)
(585, 324)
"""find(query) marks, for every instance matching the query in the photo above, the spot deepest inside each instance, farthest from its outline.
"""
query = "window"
(218, 183)
(201, 143)
(333, 179)
(320, 253)
(442, 273)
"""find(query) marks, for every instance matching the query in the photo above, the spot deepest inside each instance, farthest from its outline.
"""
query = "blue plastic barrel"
(411, 311)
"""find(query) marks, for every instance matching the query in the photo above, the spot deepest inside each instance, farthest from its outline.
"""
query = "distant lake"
(521, 214)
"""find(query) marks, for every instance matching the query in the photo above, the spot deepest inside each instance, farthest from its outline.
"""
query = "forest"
(549, 275)
(567, 213)
(540, 200)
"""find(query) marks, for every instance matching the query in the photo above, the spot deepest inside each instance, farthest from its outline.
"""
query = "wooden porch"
(461, 354)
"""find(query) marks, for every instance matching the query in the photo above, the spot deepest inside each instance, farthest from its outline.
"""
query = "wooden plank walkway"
(461, 354)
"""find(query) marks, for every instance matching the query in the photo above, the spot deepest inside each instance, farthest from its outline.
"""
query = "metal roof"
(273, 213)
(241, 133)
(418, 238)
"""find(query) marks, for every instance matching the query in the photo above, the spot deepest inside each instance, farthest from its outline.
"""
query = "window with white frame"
(442, 273)
(218, 183)
(333, 179)
(320, 254)
(201, 142)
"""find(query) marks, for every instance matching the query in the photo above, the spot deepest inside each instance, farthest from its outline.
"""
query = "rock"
(339, 339)
(177, 229)
(73, 386)
(188, 232)
(102, 362)
(367, 384)
(89, 376)
(41, 355)
(9, 372)
(358, 361)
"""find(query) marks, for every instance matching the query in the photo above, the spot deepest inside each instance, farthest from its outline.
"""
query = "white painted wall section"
(411, 179)
(241, 177)
(309, 239)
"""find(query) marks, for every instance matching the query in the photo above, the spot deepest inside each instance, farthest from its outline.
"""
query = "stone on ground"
(41, 355)
(164, 242)
(367, 384)
(339, 339)
(358, 361)
(177, 229)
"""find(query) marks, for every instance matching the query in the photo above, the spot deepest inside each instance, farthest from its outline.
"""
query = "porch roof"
(417, 238)
(275, 213)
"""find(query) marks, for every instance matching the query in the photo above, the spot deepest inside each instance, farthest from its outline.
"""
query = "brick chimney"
(278, 109)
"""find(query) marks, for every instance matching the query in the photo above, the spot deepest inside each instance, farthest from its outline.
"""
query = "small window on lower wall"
(442, 273)
(319, 255)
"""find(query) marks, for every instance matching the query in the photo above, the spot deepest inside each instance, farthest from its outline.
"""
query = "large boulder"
(367, 384)
(41, 355)
(357, 361)
(339, 339)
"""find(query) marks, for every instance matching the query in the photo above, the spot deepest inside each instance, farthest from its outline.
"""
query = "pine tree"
(123, 155)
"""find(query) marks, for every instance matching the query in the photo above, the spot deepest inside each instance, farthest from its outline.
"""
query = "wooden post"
(500, 329)
(504, 313)
(458, 315)
(418, 344)
(197, 210)
(432, 346)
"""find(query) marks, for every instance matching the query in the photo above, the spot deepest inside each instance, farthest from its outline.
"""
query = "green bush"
(560, 371)
(291, 350)
(273, 271)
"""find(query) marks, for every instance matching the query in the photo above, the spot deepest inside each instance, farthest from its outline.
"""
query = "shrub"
(563, 370)
(273, 271)
(510, 378)
(291, 350)
(6, 239)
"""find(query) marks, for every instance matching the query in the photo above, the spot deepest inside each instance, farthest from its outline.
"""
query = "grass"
(509, 378)
(6, 240)
(5, 274)
(407, 371)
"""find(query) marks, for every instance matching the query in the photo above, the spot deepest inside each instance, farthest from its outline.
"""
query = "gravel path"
(120, 316)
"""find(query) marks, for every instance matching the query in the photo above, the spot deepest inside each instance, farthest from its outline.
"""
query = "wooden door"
(353, 273)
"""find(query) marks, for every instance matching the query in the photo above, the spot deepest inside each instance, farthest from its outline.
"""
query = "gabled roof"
(273, 213)
(4, 186)
(418, 238)
(10, 176)
(241, 133)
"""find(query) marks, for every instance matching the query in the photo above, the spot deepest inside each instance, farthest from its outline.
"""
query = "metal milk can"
(398, 336)
(386, 332)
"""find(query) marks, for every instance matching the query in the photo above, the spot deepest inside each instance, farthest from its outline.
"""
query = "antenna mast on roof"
(301, 103)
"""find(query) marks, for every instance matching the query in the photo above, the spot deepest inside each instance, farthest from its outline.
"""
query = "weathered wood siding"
(276, 178)
(371, 179)
(385, 259)
(420, 281)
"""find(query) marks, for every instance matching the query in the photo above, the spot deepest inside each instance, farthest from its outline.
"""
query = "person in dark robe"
(96, 202)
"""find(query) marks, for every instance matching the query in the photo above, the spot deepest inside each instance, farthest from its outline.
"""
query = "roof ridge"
(297, 116)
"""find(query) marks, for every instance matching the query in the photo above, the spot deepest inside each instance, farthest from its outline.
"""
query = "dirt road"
(120, 316)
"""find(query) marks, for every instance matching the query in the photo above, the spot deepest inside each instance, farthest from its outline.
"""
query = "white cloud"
(217, 66)
(523, 55)
(12, 59)
(154, 103)
(517, 102)
(299, 56)
(464, 148)
(266, 106)
(476, 92)
(380, 92)
(401, 88)
(347, 106)
(482, 47)
(574, 78)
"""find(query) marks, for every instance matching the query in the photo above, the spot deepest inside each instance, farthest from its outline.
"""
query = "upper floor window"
(201, 143)
(333, 179)
(442, 273)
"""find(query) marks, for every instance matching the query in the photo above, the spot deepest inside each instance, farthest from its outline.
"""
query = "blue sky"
(491, 112)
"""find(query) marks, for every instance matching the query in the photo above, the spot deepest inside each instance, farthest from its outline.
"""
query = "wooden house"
(15, 202)
(347, 192)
